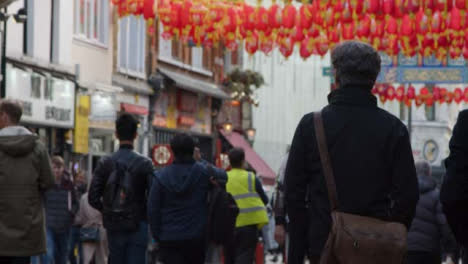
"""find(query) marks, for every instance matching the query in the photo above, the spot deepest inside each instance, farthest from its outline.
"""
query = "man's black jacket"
(141, 169)
(454, 192)
(372, 162)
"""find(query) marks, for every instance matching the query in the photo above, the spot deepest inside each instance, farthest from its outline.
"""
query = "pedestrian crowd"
(348, 191)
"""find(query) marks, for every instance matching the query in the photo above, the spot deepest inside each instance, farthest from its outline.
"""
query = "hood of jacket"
(181, 177)
(17, 141)
(426, 184)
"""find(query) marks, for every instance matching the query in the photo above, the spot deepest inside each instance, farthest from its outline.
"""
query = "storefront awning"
(255, 161)
(194, 85)
(133, 85)
(134, 109)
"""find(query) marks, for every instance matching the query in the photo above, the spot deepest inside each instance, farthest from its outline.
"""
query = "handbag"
(355, 239)
(89, 234)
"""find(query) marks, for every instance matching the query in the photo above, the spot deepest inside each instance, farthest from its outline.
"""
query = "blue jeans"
(75, 242)
(128, 247)
(58, 245)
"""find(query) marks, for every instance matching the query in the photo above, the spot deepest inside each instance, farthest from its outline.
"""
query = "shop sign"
(81, 132)
(46, 100)
(162, 155)
(179, 109)
(103, 112)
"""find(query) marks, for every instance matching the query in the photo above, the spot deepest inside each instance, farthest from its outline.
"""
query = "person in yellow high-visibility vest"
(251, 200)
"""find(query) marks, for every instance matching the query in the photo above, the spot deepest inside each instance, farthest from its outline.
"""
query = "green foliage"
(242, 85)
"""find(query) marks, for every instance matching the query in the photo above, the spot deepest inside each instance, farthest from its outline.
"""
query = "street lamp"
(20, 17)
(228, 127)
(250, 134)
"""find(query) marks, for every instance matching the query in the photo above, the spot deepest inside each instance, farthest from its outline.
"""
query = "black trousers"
(421, 257)
(182, 251)
(242, 249)
(15, 260)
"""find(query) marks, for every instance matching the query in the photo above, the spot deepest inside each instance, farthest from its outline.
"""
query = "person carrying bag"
(355, 239)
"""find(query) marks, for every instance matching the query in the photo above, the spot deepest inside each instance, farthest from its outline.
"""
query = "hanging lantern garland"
(388, 93)
(432, 27)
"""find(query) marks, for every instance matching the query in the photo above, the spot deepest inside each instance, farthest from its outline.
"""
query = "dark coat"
(429, 231)
(454, 192)
(177, 205)
(61, 204)
(141, 169)
(372, 162)
(25, 174)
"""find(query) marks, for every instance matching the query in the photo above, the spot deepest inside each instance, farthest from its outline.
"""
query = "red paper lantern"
(398, 10)
(266, 46)
(348, 31)
(422, 22)
(251, 43)
(322, 45)
(297, 32)
(363, 27)
(391, 93)
(443, 95)
(391, 26)
(198, 13)
(388, 6)
(411, 6)
(461, 4)
(347, 14)
(400, 93)
(411, 94)
(262, 20)
(457, 95)
(437, 23)
(449, 97)
(286, 47)
(465, 94)
(436, 93)
(148, 11)
(274, 16)
(424, 92)
(430, 101)
(357, 6)
(407, 26)
(455, 19)
(418, 101)
(373, 6)
(305, 14)
(248, 18)
(307, 48)
(289, 17)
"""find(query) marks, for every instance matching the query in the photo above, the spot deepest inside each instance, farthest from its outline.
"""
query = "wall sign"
(46, 100)
(162, 155)
(81, 132)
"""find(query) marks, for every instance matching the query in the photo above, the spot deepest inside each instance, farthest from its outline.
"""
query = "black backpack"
(119, 212)
(222, 215)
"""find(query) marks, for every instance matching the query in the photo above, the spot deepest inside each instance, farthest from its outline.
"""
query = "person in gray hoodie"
(25, 174)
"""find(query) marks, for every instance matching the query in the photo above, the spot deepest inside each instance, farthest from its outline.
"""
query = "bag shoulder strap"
(325, 160)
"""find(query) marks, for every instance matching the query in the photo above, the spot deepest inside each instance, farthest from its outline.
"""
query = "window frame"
(141, 48)
(96, 26)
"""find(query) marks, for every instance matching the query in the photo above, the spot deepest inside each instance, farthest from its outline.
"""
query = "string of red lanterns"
(388, 93)
(425, 27)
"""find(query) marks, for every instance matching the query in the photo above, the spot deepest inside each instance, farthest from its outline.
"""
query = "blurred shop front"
(186, 105)
(48, 100)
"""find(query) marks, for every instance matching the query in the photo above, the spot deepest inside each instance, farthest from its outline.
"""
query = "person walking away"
(93, 234)
(251, 199)
(119, 190)
(177, 206)
(25, 176)
(370, 154)
(279, 209)
(454, 191)
(429, 233)
(76, 251)
(61, 205)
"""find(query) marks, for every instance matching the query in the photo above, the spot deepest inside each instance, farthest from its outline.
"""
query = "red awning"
(134, 109)
(255, 161)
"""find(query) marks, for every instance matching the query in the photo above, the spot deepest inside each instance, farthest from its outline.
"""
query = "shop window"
(92, 20)
(132, 43)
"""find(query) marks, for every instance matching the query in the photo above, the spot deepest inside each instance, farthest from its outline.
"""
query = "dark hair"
(423, 168)
(126, 126)
(182, 146)
(13, 109)
(236, 157)
(355, 63)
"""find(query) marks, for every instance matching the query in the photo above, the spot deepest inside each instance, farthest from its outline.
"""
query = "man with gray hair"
(370, 154)
(25, 174)
(429, 237)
